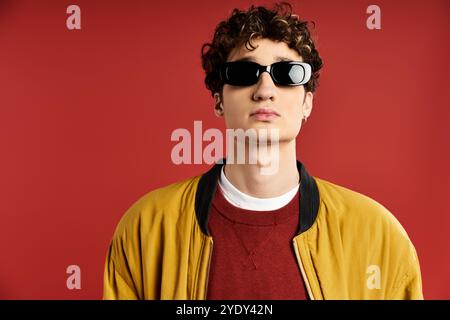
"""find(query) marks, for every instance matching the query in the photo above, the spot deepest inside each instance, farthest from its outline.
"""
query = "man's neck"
(249, 178)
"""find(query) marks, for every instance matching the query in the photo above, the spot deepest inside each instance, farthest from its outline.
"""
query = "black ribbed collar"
(309, 197)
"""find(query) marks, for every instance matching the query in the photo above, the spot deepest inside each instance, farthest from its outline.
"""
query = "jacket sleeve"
(409, 286)
(117, 280)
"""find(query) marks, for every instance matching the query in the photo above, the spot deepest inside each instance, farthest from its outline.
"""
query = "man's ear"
(307, 104)
(218, 105)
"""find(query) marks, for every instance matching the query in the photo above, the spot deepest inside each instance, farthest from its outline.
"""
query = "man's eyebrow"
(246, 59)
(277, 59)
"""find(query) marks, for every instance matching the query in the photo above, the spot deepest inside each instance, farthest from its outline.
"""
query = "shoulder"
(163, 203)
(357, 218)
(341, 203)
(366, 234)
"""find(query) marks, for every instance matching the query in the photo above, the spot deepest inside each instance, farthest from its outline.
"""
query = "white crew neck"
(245, 201)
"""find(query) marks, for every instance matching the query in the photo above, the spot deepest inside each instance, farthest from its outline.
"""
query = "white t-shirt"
(245, 201)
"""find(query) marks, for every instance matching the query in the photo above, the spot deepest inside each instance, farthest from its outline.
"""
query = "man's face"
(291, 104)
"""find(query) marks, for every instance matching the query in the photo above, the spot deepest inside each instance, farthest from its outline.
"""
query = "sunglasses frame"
(269, 69)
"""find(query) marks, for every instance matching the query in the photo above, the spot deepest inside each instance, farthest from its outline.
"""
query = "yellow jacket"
(348, 246)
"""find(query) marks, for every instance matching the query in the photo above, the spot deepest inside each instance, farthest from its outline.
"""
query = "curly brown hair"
(242, 27)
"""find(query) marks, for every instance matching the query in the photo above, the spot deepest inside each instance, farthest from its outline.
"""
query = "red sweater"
(253, 255)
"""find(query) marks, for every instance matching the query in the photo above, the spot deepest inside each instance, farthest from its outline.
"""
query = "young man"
(236, 233)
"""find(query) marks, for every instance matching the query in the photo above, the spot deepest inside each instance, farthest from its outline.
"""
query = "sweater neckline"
(244, 201)
(255, 218)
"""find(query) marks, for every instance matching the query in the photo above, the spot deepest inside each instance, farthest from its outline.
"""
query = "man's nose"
(265, 88)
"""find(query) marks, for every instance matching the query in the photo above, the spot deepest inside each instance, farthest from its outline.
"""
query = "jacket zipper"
(207, 274)
(305, 279)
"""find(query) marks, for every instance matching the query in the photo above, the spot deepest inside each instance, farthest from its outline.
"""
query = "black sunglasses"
(247, 73)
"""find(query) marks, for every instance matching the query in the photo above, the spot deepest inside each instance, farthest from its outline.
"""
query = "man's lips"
(265, 111)
(264, 114)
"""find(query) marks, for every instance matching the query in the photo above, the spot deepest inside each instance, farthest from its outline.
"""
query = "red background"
(86, 118)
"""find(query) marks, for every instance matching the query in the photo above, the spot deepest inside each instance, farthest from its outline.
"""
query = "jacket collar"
(207, 185)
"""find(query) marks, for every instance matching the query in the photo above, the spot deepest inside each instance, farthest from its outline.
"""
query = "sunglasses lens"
(288, 74)
(240, 73)
(285, 73)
